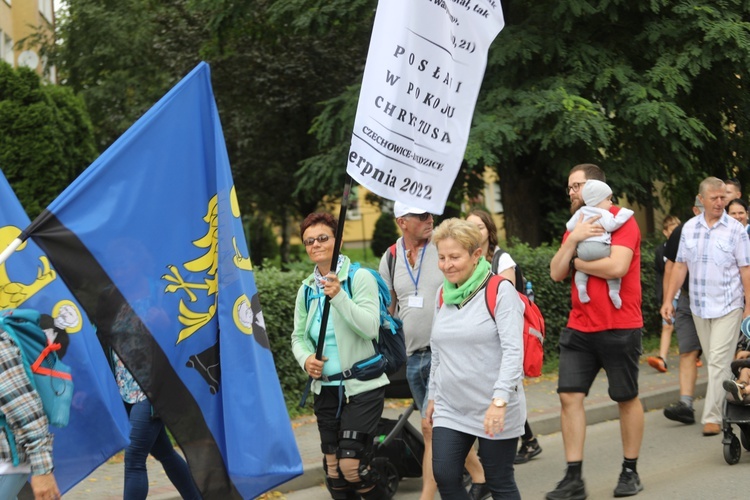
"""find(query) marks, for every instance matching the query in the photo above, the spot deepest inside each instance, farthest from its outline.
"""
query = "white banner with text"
(424, 68)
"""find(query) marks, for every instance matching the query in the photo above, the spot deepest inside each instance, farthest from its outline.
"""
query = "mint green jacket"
(356, 322)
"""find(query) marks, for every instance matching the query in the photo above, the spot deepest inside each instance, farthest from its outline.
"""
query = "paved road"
(677, 462)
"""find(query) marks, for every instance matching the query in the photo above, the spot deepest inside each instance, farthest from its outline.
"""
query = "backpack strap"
(490, 293)
(390, 259)
(520, 281)
(496, 259)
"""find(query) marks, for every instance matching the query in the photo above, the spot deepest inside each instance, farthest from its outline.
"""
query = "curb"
(543, 424)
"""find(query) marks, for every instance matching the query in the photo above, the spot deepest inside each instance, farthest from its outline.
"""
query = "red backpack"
(533, 326)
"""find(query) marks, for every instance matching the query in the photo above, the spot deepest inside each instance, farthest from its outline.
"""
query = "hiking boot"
(629, 484)
(479, 491)
(568, 489)
(680, 412)
(657, 363)
(529, 449)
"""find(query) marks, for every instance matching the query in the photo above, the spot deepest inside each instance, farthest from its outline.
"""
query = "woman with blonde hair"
(476, 378)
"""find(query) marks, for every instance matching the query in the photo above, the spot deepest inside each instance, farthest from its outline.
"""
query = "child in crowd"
(597, 196)
(739, 389)
(659, 362)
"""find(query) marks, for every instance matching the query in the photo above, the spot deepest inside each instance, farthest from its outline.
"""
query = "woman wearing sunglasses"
(347, 409)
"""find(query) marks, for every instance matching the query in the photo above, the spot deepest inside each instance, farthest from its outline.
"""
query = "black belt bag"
(367, 369)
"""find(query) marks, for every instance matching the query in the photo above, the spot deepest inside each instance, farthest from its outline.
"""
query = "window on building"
(50, 71)
(353, 211)
(6, 48)
(497, 198)
(46, 9)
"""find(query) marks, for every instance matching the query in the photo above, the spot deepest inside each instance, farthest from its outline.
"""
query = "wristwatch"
(499, 403)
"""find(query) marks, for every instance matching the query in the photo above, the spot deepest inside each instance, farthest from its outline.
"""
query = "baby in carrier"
(597, 196)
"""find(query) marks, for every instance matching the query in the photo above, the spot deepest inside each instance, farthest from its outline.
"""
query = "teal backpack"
(49, 376)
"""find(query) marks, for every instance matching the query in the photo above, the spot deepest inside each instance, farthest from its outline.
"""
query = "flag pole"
(12, 247)
(40, 219)
(334, 262)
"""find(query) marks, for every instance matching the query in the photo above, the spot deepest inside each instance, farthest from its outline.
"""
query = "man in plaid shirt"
(24, 414)
(715, 249)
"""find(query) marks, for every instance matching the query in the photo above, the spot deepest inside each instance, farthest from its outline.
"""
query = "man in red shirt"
(599, 336)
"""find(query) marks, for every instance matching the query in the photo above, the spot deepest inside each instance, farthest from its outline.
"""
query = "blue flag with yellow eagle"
(98, 425)
(150, 240)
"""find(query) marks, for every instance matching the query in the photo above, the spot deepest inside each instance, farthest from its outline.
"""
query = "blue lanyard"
(419, 269)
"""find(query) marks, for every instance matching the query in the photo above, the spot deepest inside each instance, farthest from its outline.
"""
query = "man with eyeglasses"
(410, 269)
(597, 336)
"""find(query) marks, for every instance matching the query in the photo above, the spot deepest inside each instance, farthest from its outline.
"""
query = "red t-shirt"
(600, 314)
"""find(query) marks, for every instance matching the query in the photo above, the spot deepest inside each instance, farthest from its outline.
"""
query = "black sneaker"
(629, 484)
(568, 489)
(528, 450)
(479, 491)
(680, 412)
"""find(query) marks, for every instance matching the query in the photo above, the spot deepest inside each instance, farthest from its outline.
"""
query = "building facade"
(20, 19)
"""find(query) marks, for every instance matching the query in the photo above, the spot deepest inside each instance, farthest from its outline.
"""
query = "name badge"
(416, 301)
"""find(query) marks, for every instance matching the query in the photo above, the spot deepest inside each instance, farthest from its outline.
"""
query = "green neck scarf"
(456, 295)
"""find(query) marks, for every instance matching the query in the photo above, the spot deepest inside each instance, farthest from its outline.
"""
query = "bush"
(278, 291)
(385, 234)
(261, 238)
(552, 298)
(46, 137)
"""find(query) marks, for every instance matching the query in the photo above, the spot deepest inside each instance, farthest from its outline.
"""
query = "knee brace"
(353, 446)
(338, 487)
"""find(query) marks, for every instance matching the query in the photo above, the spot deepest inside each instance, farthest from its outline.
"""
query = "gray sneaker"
(680, 412)
(629, 484)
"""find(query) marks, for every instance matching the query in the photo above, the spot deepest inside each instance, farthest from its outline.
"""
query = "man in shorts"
(597, 336)
(687, 337)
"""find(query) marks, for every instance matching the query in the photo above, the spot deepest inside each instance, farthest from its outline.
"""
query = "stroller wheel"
(732, 451)
(392, 479)
(745, 437)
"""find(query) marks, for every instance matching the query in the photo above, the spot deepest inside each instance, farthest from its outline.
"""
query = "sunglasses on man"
(422, 217)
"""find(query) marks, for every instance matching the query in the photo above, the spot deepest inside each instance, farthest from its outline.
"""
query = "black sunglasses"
(320, 239)
(422, 217)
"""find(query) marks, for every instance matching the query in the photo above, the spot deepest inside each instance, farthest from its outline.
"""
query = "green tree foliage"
(650, 90)
(46, 137)
(385, 234)
(261, 239)
(113, 54)
(268, 78)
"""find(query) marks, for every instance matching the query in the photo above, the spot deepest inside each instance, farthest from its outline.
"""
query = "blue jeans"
(449, 451)
(148, 435)
(418, 377)
(11, 484)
